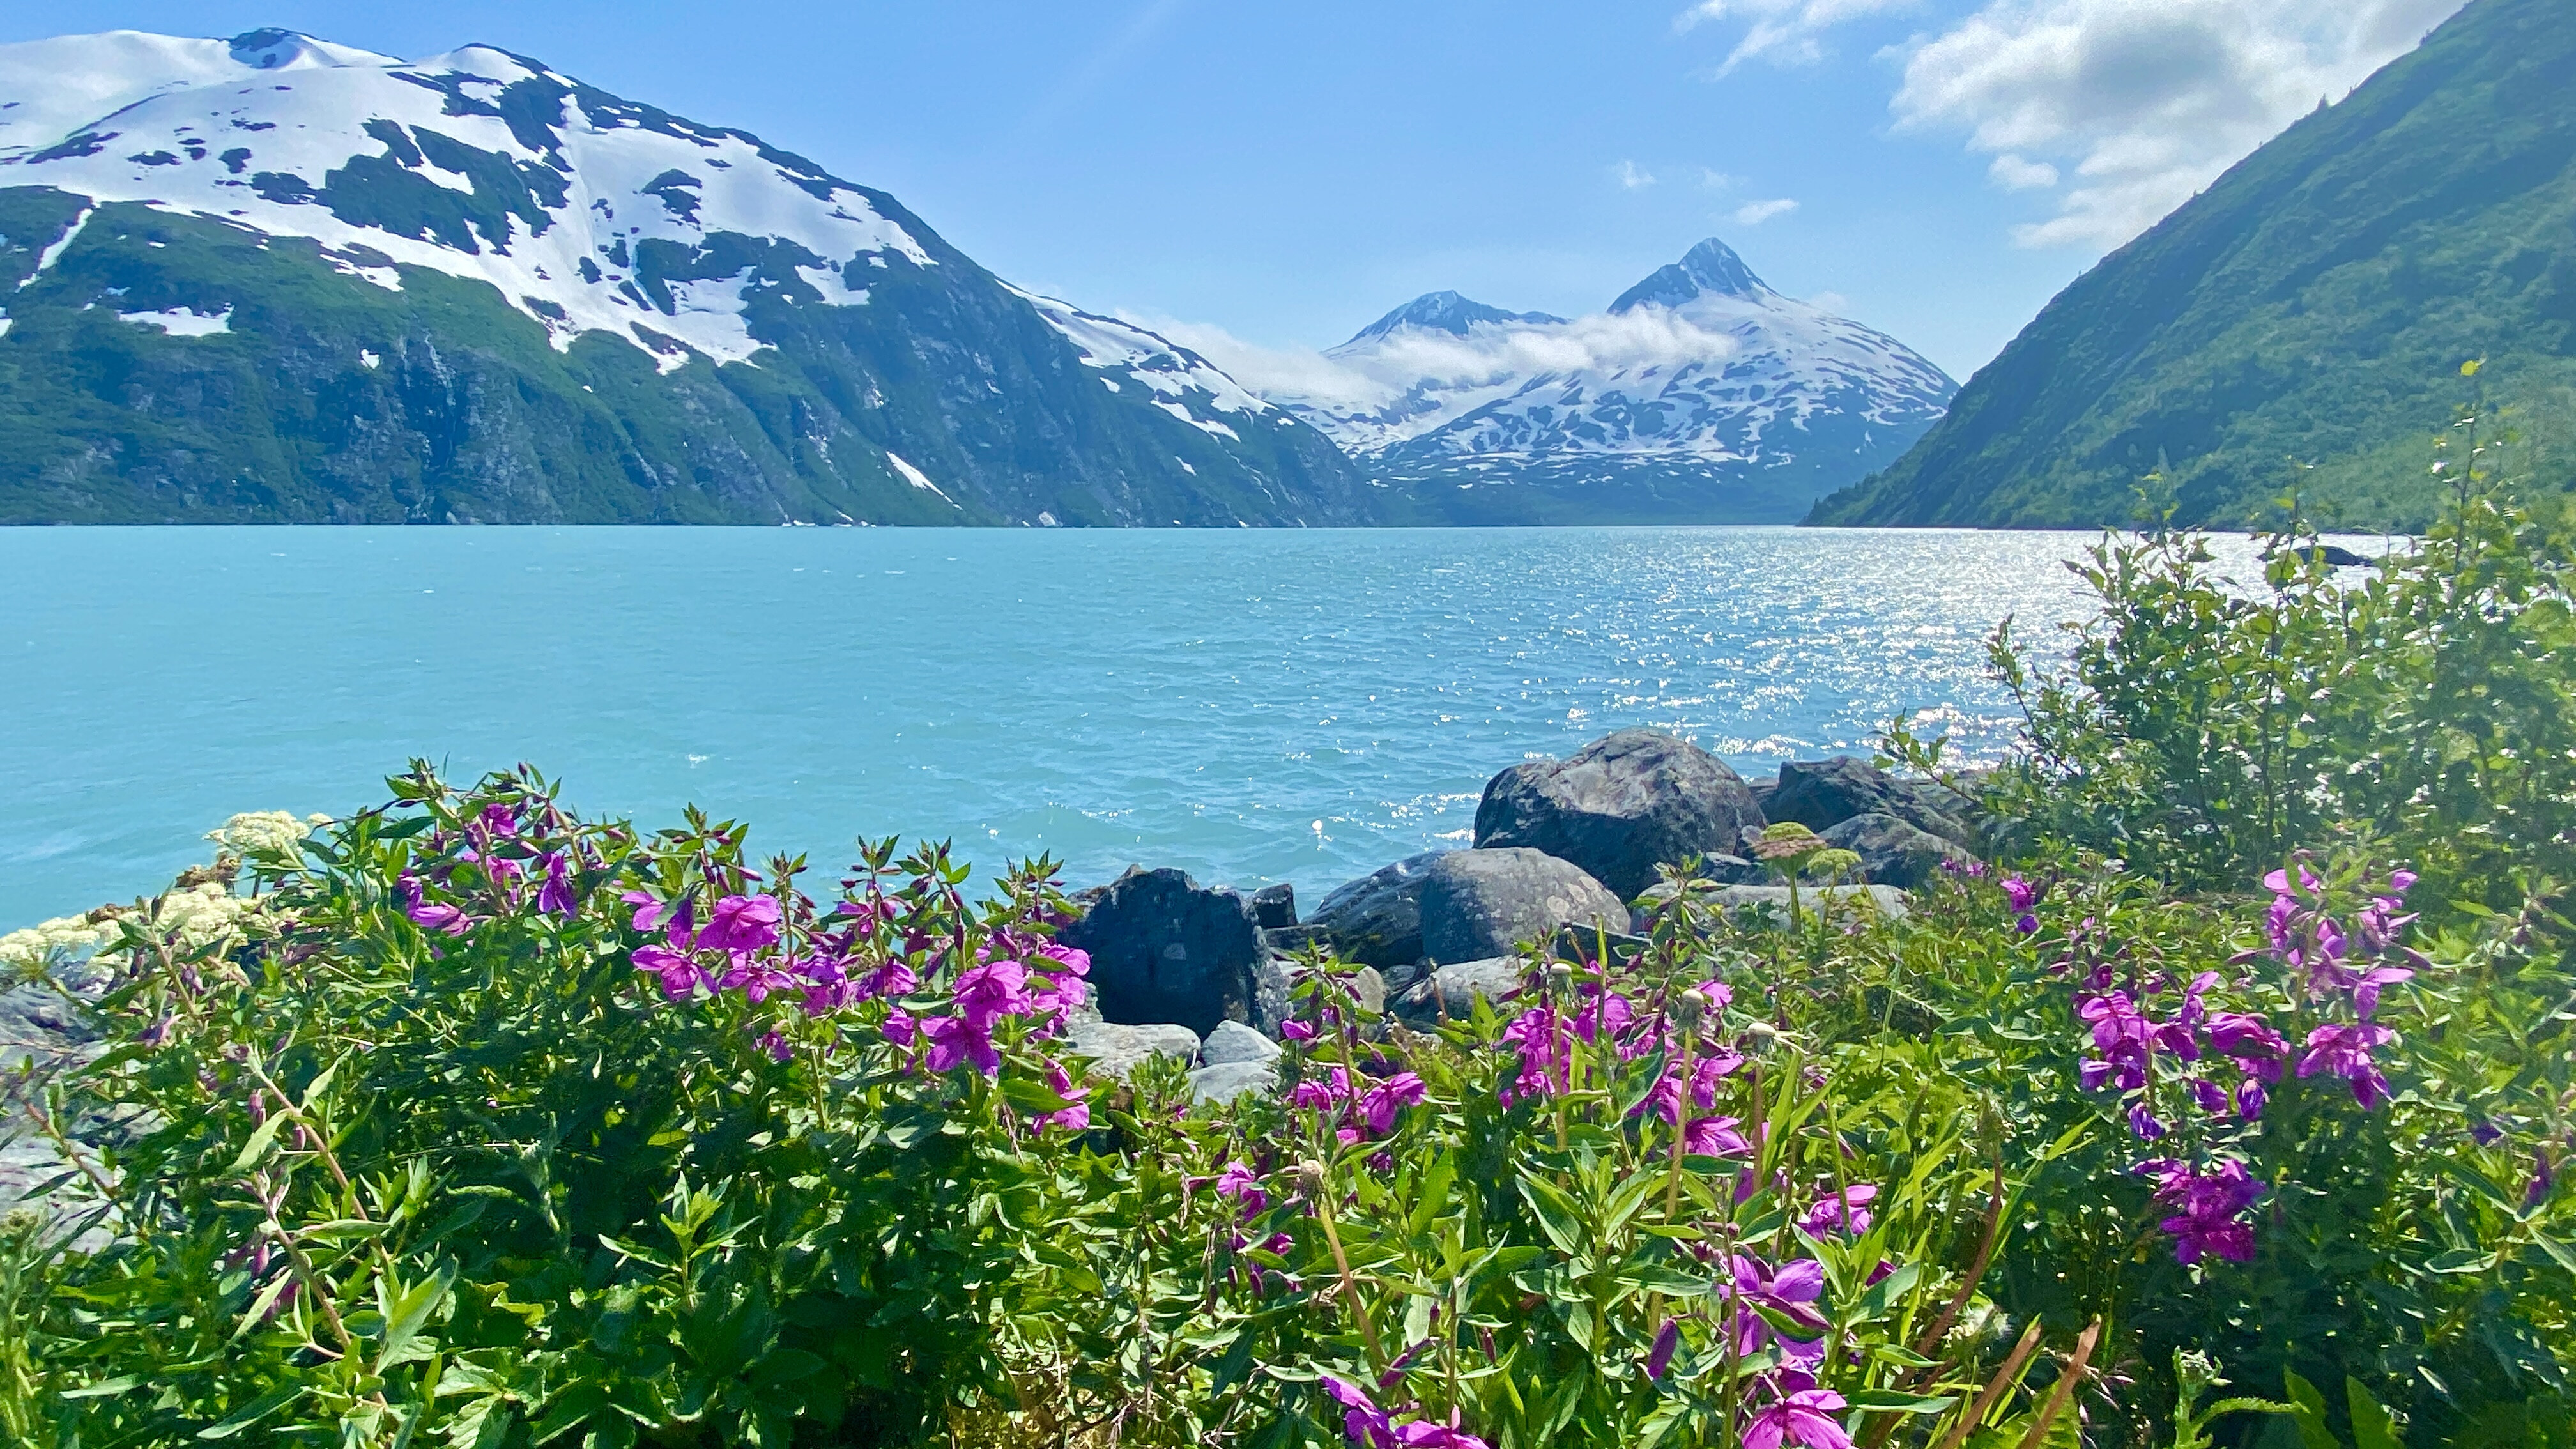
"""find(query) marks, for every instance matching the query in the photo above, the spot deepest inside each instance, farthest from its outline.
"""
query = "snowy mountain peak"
(294, 50)
(1712, 266)
(1444, 312)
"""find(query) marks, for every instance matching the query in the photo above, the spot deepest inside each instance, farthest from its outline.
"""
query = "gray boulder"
(1892, 852)
(1232, 1042)
(1163, 948)
(1453, 989)
(1116, 1050)
(1620, 806)
(44, 1028)
(1821, 794)
(1459, 905)
(1885, 900)
(1225, 1081)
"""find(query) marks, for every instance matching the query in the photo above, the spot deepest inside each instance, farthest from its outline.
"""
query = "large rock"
(1892, 852)
(1620, 807)
(1225, 1081)
(1165, 949)
(1821, 794)
(1459, 905)
(46, 1028)
(1115, 1050)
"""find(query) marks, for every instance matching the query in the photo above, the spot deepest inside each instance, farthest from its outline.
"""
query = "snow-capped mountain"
(1700, 394)
(483, 253)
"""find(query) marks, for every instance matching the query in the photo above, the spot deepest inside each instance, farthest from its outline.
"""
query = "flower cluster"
(2150, 1034)
(1371, 1427)
(262, 832)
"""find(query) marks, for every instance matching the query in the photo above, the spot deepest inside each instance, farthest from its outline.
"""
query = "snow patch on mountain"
(182, 321)
(587, 212)
(1184, 383)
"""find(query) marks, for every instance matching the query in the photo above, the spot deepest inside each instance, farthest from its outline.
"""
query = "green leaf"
(254, 1411)
(405, 1314)
(1557, 1215)
(1890, 1401)
(2308, 1410)
(257, 1147)
(103, 1388)
(2372, 1425)
(2559, 1252)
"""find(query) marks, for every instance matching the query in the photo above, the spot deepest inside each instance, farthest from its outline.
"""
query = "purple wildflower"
(1847, 1210)
(1805, 1417)
(2346, 1052)
(555, 897)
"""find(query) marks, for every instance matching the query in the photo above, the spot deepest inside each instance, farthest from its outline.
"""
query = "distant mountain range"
(1701, 395)
(2303, 320)
(274, 279)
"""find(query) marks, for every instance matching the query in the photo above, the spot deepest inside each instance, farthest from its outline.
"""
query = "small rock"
(1232, 1041)
(1165, 949)
(1459, 905)
(1893, 852)
(1888, 900)
(1620, 807)
(1454, 988)
(1225, 1081)
(1116, 1050)
(1274, 907)
(1821, 794)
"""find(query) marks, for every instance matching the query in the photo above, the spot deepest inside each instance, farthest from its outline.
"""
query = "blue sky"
(1270, 178)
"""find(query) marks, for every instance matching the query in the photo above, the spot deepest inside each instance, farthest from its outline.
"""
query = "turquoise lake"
(1252, 706)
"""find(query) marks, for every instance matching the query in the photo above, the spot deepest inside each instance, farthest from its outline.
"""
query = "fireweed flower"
(1546, 1052)
(2023, 897)
(1846, 1211)
(2213, 1205)
(958, 1041)
(679, 975)
(1362, 1419)
(740, 924)
(1659, 1359)
(1385, 1099)
(427, 914)
(556, 897)
(2345, 1051)
(1791, 1292)
(1076, 1114)
(1805, 1417)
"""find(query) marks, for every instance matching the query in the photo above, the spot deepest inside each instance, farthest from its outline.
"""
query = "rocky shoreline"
(1202, 974)
(1561, 848)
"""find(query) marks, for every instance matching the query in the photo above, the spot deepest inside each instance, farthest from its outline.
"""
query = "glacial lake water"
(1252, 705)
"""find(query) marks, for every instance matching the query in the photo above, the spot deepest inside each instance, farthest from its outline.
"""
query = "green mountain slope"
(2314, 304)
(292, 293)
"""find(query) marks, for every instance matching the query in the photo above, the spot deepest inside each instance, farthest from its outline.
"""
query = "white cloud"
(1754, 213)
(1833, 302)
(2013, 173)
(2146, 101)
(1716, 180)
(1371, 379)
(1783, 32)
(1632, 176)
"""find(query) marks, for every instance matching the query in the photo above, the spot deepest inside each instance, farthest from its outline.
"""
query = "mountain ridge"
(2303, 318)
(479, 254)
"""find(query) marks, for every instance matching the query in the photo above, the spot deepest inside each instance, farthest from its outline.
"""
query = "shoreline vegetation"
(2199, 1076)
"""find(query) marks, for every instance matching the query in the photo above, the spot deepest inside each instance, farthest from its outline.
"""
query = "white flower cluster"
(262, 830)
(197, 913)
(40, 949)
